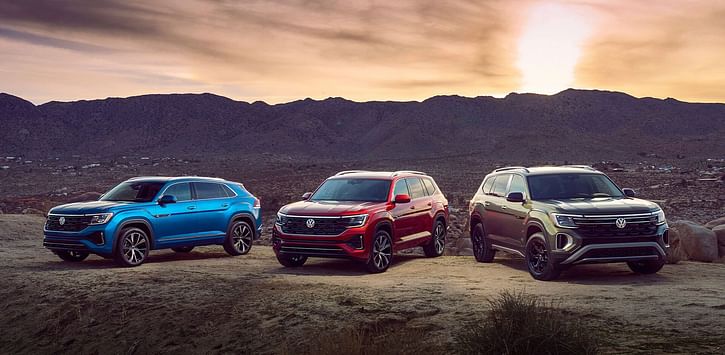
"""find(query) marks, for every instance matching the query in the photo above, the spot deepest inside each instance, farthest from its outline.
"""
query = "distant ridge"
(572, 124)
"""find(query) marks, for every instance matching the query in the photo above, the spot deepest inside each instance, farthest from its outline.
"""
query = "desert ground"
(208, 302)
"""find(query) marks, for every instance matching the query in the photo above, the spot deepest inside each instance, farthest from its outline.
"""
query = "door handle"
(225, 205)
(412, 207)
(487, 204)
(191, 207)
(504, 207)
(430, 204)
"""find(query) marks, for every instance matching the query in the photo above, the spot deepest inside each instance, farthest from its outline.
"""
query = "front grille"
(323, 226)
(70, 223)
(606, 226)
(63, 243)
(620, 252)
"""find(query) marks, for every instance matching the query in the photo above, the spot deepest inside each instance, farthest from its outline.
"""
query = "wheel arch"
(140, 223)
(246, 217)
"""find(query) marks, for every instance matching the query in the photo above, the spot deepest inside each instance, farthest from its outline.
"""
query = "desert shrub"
(517, 323)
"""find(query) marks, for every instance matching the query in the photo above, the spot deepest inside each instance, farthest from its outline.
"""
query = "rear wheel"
(183, 249)
(291, 260)
(646, 266)
(239, 238)
(72, 255)
(482, 250)
(381, 253)
(438, 241)
(132, 248)
(540, 266)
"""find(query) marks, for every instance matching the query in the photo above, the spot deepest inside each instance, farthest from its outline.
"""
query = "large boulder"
(714, 223)
(720, 233)
(691, 241)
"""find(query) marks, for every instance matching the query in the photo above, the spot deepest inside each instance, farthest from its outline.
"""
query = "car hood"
(89, 207)
(601, 206)
(328, 208)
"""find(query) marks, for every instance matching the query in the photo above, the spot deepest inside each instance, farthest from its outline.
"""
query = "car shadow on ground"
(593, 274)
(339, 267)
(97, 262)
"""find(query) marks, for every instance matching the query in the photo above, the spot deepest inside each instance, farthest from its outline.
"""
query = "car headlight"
(281, 219)
(355, 221)
(564, 220)
(100, 218)
(660, 217)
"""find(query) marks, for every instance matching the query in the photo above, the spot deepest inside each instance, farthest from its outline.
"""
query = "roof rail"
(512, 168)
(345, 172)
(396, 173)
(580, 167)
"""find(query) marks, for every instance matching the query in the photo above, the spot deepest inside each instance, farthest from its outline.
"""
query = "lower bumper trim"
(577, 257)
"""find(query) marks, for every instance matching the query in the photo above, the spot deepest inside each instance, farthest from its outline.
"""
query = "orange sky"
(362, 50)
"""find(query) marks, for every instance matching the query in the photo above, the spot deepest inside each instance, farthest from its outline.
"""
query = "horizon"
(282, 51)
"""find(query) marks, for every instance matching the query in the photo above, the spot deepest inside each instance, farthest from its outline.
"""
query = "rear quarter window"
(208, 190)
(429, 186)
(487, 185)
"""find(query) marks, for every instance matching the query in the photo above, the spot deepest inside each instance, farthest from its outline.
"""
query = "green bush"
(518, 323)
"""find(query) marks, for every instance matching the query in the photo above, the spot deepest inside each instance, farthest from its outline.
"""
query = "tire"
(381, 253)
(537, 259)
(482, 250)
(73, 256)
(239, 238)
(132, 247)
(183, 249)
(437, 244)
(646, 266)
(291, 260)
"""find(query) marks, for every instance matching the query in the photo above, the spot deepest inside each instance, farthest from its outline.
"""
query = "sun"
(550, 46)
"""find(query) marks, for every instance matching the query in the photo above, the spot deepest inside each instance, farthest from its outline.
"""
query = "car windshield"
(368, 190)
(568, 186)
(134, 192)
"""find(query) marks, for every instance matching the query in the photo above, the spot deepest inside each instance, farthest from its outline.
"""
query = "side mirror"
(306, 195)
(402, 198)
(629, 192)
(515, 197)
(166, 199)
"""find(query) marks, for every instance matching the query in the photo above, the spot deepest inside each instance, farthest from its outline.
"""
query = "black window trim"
(193, 190)
(193, 184)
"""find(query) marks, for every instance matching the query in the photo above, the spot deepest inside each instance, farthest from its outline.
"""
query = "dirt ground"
(208, 302)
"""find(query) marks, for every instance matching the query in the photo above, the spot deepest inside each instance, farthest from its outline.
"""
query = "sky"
(279, 51)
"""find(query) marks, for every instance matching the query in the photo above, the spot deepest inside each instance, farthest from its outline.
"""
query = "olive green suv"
(558, 217)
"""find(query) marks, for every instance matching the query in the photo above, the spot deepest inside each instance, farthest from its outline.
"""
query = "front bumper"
(592, 250)
(92, 239)
(353, 243)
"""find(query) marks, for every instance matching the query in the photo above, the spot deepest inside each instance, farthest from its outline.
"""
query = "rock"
(714, 223)
(720, 233)
(691, 241)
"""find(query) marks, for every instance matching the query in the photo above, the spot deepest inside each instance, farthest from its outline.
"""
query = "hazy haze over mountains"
(573, 124)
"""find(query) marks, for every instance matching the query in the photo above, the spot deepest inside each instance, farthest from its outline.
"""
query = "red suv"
(365, 216)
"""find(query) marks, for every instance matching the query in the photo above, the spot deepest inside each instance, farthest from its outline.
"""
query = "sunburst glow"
(550, 46)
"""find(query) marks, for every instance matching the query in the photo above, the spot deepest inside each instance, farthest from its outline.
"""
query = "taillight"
(256, 202)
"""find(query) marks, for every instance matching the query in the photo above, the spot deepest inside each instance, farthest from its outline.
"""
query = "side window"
(487, 185)
(500, 185)
(517, 184)
(182, 191)
(207, 190)
(228, 191)
(401, 188)
(429, 186)
(416, 188)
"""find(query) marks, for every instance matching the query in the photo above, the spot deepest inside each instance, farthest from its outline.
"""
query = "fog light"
(97, 238)
(356, 242)
(564, 241)
(666, 238)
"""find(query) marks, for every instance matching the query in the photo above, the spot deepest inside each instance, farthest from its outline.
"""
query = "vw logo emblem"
(310, 223)
(61, 221)
(620, 223)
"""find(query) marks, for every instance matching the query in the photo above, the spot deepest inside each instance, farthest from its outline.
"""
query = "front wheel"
(646, 266)
(540, 265)
(381, 254)
(438, 241)
(132, 248)
(72, 255)
(291, 260)
(239, 239)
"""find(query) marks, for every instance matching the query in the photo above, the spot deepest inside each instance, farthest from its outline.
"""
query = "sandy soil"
(208, 302)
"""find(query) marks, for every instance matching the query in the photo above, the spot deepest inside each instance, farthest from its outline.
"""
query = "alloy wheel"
(440, 238)
(242, 236)
(382, 251)
(477, 242)
(538, 257)
(134, 248)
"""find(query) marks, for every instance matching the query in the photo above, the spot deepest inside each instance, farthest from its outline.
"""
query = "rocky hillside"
(573, 124)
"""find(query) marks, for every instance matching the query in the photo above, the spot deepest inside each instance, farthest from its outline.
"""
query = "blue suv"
(147, 213)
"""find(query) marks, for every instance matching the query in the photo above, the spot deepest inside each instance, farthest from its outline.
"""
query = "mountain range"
(573, 124)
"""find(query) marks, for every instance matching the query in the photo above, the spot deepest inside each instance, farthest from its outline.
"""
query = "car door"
(514, 214)
(493, 215)
(422, 205)
(403, 213)
(175, 221)
(213, 202)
